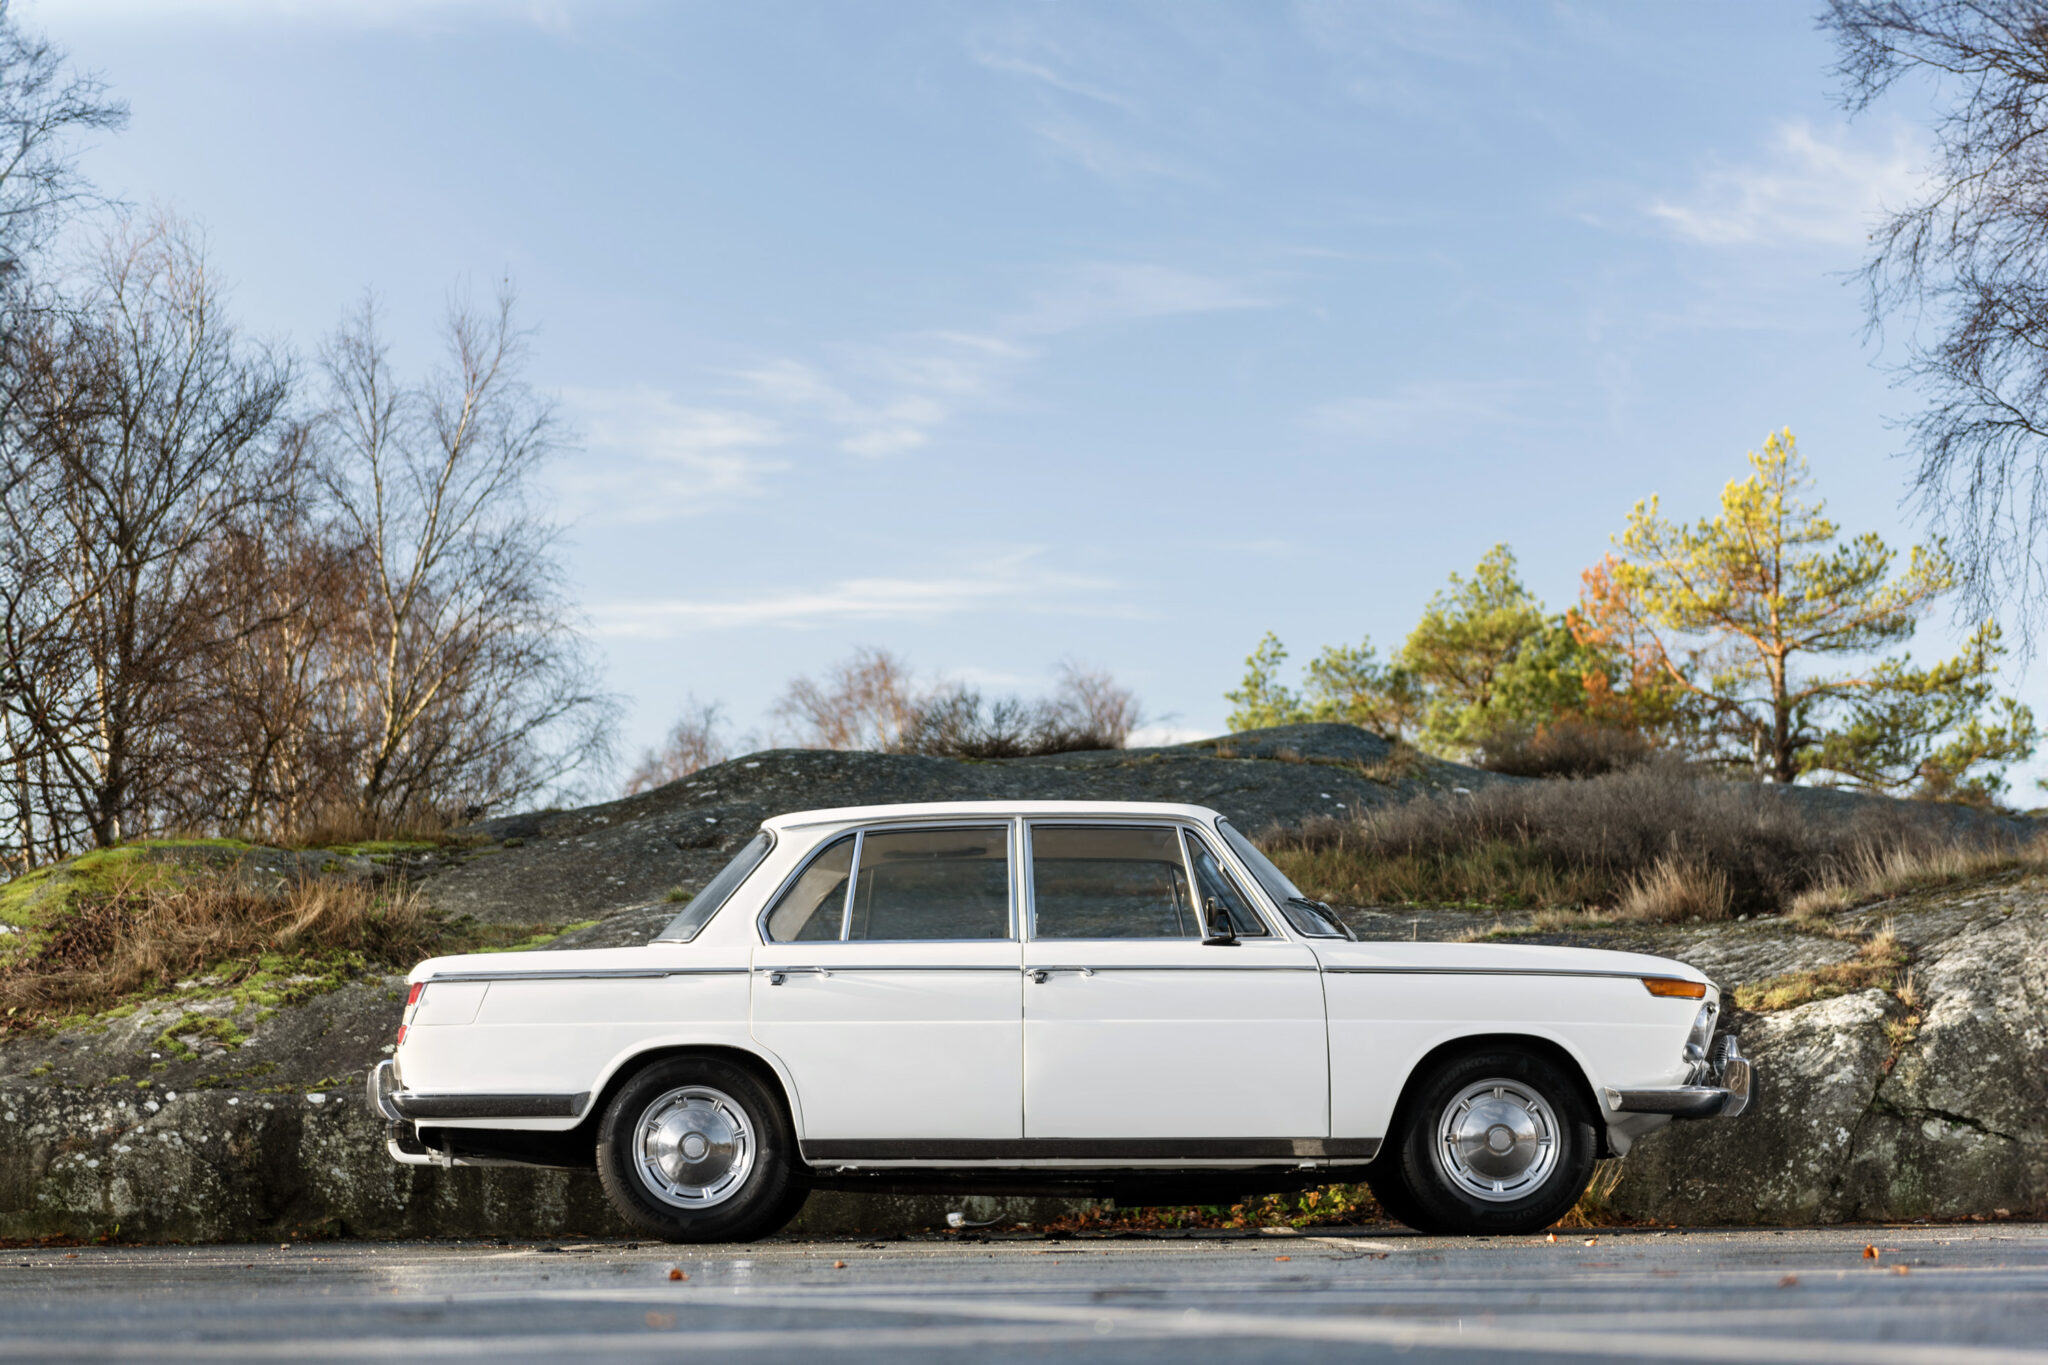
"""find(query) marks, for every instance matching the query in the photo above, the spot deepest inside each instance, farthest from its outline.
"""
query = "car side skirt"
(955, 1151)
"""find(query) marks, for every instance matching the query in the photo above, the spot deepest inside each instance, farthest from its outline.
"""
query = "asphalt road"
(1937, 1295)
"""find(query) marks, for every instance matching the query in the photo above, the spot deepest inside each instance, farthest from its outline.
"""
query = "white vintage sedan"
(1112, 999)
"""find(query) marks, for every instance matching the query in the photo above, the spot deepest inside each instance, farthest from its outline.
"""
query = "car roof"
(918, 810)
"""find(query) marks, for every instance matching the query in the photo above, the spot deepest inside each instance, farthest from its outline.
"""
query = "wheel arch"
(1549, 1048)
(631, 1064)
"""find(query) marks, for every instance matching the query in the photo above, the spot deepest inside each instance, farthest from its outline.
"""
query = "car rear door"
(888, 984)
(1139, 1034)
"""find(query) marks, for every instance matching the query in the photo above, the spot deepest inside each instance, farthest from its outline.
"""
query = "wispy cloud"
(1084, 120)
(1102, 293)
(1810, 187)
(889, 397)
(429, 16)
(893, 395)
(658, 457)
(1000, 59)
(1015, 579)
(1419, 410)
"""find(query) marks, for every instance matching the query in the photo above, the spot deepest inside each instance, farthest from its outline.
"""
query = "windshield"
(716, 892)
(1309, 918)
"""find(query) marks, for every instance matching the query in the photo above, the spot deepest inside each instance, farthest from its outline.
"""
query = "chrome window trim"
(1182, 827)
(859, 834)
(760, 832)
(1271, 913)
(1235, 877)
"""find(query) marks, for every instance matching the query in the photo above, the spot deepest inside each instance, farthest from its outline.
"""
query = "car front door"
(1140, 1028)
(887, 982)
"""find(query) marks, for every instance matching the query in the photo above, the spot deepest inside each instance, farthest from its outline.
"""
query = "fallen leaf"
(1902, 1270)
(1869, 1253)
(839, 1265)
(1788, 1282)
(1283, 1258)
(1551, 1238)
(1592, 1241)
(675, 1273)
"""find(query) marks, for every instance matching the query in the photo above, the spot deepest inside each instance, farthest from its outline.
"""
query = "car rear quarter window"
(1092, 881)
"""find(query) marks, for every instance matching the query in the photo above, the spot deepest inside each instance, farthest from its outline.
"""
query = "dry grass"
(1875, 872)
(1595, 1208)
(1676, 889)
(1653, 842)
(1880, 964)
(1325, 1206)
(148, 933)
(345, 826)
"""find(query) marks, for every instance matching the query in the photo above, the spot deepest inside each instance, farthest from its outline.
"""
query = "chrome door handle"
(778, 975)
(1039, 975)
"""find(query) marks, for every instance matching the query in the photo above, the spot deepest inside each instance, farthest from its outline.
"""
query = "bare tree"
(869, 701)
(268, 752)
(1966, 264)
(1089, 701)
(42, 109)
(142, 429)
(872, 701)
(464, 682)
(696, 741)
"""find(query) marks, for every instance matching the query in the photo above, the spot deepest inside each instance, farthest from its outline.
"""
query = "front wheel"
(695, 1149)
(1495, 1142)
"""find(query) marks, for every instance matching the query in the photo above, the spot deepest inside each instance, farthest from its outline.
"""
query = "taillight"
(412, 998)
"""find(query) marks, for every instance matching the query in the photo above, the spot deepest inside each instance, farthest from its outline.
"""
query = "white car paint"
(1282, 1037)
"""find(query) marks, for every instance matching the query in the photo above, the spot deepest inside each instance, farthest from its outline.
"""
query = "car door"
(887, 982)
(1135, 1027)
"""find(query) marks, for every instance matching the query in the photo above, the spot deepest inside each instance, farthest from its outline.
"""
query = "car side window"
(814, 905)
(1095, 881)
(1212, 883)
(932, 884)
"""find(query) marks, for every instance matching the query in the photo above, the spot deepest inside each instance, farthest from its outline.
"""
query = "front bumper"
(1734, 1081)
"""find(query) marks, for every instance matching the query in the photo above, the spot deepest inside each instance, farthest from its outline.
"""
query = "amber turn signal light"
(1671, 985)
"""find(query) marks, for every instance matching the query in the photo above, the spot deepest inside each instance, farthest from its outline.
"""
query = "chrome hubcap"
(1497, 1140)
(694, 1147)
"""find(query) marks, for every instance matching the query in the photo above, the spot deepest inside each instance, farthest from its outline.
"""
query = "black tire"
(752, 1196)
(1433, 1189)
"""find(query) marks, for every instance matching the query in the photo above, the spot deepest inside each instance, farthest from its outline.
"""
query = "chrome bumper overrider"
(1727, 1097)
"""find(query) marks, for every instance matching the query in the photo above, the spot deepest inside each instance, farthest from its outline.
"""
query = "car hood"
(1499, 958)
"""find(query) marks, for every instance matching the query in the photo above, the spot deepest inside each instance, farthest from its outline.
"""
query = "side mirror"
(1221, 933)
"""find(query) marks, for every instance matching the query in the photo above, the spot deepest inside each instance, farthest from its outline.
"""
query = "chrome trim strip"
(1105, 1149)
(417, 1107)
(855, 968)
(1490, 971)
(1179, 966)
(589, 974)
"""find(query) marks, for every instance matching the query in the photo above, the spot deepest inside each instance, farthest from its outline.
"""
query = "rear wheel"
(696, 1149)
(1499, 1141)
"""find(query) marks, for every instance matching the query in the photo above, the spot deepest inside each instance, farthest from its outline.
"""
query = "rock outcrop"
(190, 1121)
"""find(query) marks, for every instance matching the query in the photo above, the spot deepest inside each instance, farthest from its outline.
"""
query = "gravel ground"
(1933, 1295)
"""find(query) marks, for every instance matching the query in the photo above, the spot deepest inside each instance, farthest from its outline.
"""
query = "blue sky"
(1000, 333)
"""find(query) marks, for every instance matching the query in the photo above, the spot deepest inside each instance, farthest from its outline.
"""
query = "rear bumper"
(1729, 1095)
